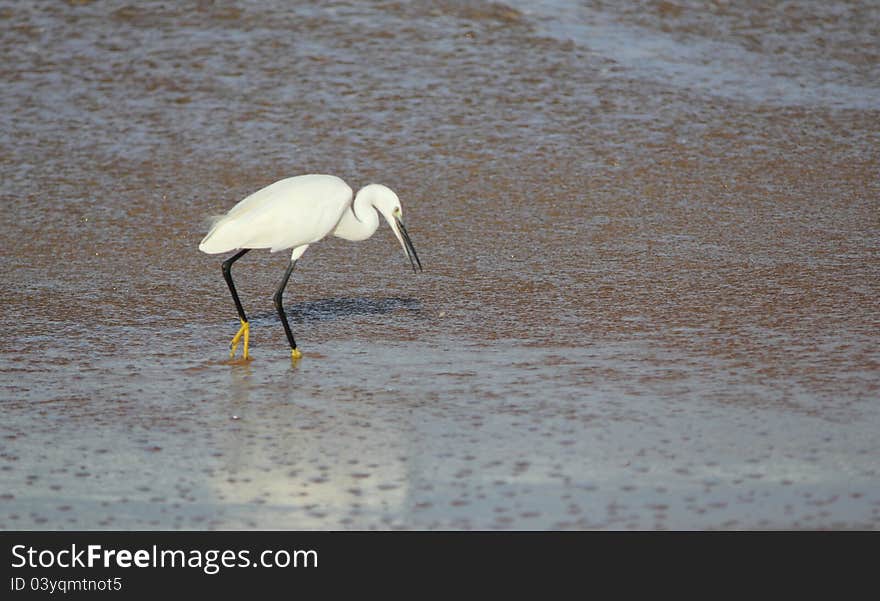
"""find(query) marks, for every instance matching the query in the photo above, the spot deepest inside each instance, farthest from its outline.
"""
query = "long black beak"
(408, 246)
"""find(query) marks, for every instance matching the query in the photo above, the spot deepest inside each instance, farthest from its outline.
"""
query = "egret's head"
(387, 203)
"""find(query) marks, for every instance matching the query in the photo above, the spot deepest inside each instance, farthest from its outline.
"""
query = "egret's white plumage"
(289, 213)
(296, 212)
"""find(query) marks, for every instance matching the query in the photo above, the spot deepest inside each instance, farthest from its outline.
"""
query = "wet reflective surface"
(651, 240)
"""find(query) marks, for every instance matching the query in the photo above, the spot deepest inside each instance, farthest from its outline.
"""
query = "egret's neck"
(360, 220)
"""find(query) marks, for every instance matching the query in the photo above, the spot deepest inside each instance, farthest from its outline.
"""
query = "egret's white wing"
(291, 212)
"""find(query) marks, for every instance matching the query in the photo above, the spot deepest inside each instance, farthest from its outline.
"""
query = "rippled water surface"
(651, 239)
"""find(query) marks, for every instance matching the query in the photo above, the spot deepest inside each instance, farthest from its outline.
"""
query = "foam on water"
(724, 66)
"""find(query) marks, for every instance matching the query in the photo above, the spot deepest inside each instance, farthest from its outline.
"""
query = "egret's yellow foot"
(243, 332)
(295, 354)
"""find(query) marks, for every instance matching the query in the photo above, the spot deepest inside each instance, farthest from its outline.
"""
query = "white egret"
(294, 213)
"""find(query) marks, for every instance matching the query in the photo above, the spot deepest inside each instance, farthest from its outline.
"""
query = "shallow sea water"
(651, 239)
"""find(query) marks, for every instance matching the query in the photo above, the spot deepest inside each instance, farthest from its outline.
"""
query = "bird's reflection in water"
(305, 462)
(240, 382)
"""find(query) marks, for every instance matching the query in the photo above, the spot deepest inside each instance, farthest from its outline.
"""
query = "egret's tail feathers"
(210, 244)
(209, 222)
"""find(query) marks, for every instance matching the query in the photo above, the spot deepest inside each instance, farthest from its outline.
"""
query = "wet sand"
(651, 239)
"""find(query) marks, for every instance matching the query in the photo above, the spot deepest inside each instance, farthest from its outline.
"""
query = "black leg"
(227, 275)
(280, 308)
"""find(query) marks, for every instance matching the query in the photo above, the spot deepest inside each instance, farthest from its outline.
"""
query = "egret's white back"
(289, 213)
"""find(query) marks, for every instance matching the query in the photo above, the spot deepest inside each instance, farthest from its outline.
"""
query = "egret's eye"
(396, 211)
